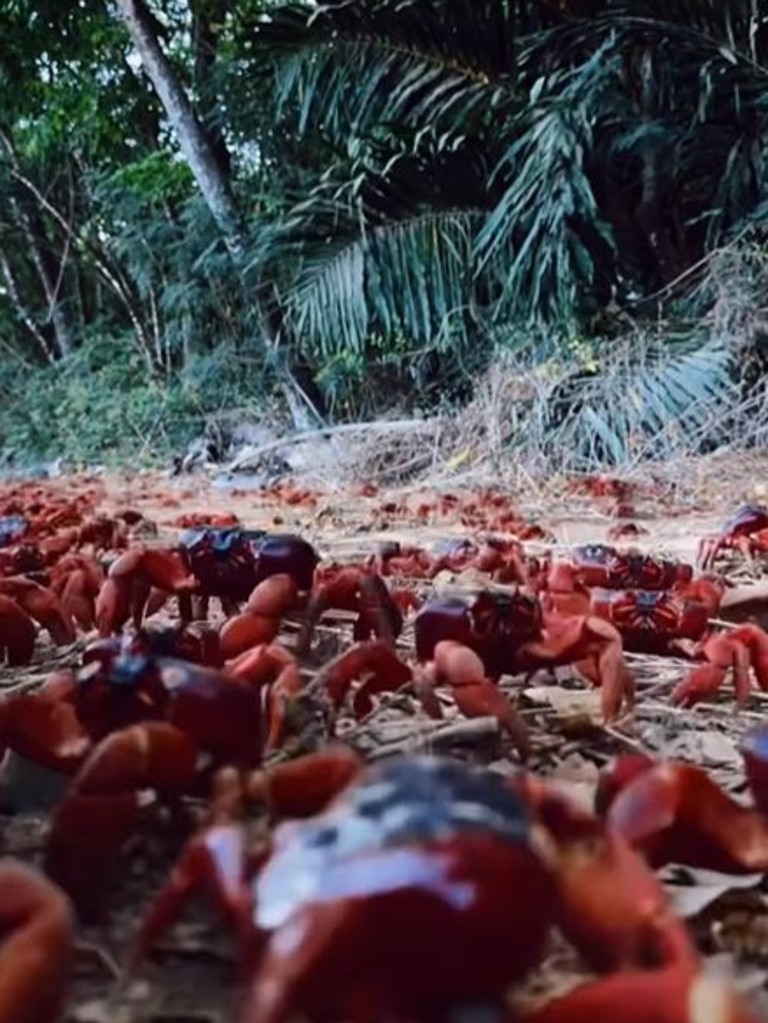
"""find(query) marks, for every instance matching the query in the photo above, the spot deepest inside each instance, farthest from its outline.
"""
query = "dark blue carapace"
(12, 529)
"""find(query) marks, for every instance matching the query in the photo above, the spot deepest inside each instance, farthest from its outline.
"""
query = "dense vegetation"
(207, 204)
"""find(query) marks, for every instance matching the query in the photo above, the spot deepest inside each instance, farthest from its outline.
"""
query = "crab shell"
(419, 850)
(603, 565)
(649, 619)
(229, 561)
(493, 624)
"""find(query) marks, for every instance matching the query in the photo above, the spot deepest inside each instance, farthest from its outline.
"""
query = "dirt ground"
(190, 975)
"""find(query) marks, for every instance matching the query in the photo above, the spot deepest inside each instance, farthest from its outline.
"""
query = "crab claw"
(38, 942)
(672, 995)
(594, 646)
(675, 813)
(374, 662)
(357, 590)
(41, 604)
(274, 668)
(43, 728)
(104, 804)
(304, 786)
(455, 665)
(611, 905)
(260, 620)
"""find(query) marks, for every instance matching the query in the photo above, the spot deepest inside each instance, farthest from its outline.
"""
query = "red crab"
(674, 621)
(674, 812)
(129, 723)
(511, 633)
(503, 560)
(333, 919)
(76, 579)
(377, 668)
(602, 565)
(121, 683)
(746, 531)
(22, 603)
(223, 562)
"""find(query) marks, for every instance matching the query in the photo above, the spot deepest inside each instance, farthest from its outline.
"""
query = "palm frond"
(650, 400)
(408, 276)
(353, 68)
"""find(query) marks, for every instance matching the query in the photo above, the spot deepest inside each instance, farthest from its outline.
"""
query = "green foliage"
(102, 406)
(423, 183)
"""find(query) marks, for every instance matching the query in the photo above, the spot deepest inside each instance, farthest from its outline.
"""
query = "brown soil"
(191, 976)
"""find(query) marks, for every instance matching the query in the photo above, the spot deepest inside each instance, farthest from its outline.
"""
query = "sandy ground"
(190, 975)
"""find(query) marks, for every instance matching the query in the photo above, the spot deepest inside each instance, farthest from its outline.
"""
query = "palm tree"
(491, 166)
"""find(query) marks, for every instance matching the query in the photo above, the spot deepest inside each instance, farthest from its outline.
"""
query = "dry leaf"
(690, 900)
(567, 702)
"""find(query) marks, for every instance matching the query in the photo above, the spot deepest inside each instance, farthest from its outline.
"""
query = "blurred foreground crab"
(674, 812)
(335, 917)
(36, 952)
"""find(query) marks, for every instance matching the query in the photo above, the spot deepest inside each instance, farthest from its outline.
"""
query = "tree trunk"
(207, 19)
(206, 165)
(50, 279)
(194, 143)
(25, 314)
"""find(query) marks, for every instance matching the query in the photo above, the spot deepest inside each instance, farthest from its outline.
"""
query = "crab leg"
(275, 668)
(594, 646)
(216, 858)
(104, 803)
(373, 661)
(260, 620)
(739, 649)
(17, 633)
(352, 589)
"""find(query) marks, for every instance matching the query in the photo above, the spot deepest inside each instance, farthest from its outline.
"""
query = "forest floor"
(190, 975)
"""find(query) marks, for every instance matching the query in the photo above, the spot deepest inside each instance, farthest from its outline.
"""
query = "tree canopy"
(203, 198)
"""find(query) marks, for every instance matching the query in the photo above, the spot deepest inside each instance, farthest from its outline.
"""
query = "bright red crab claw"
(740, 648)
(675, 813)
(461, 669)
(38, 944)
(594, 646)
(357, 590)
(611, 906)
(672, 995)
(104, 803)
(274, 669)
(373, 662)
(260, 620)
